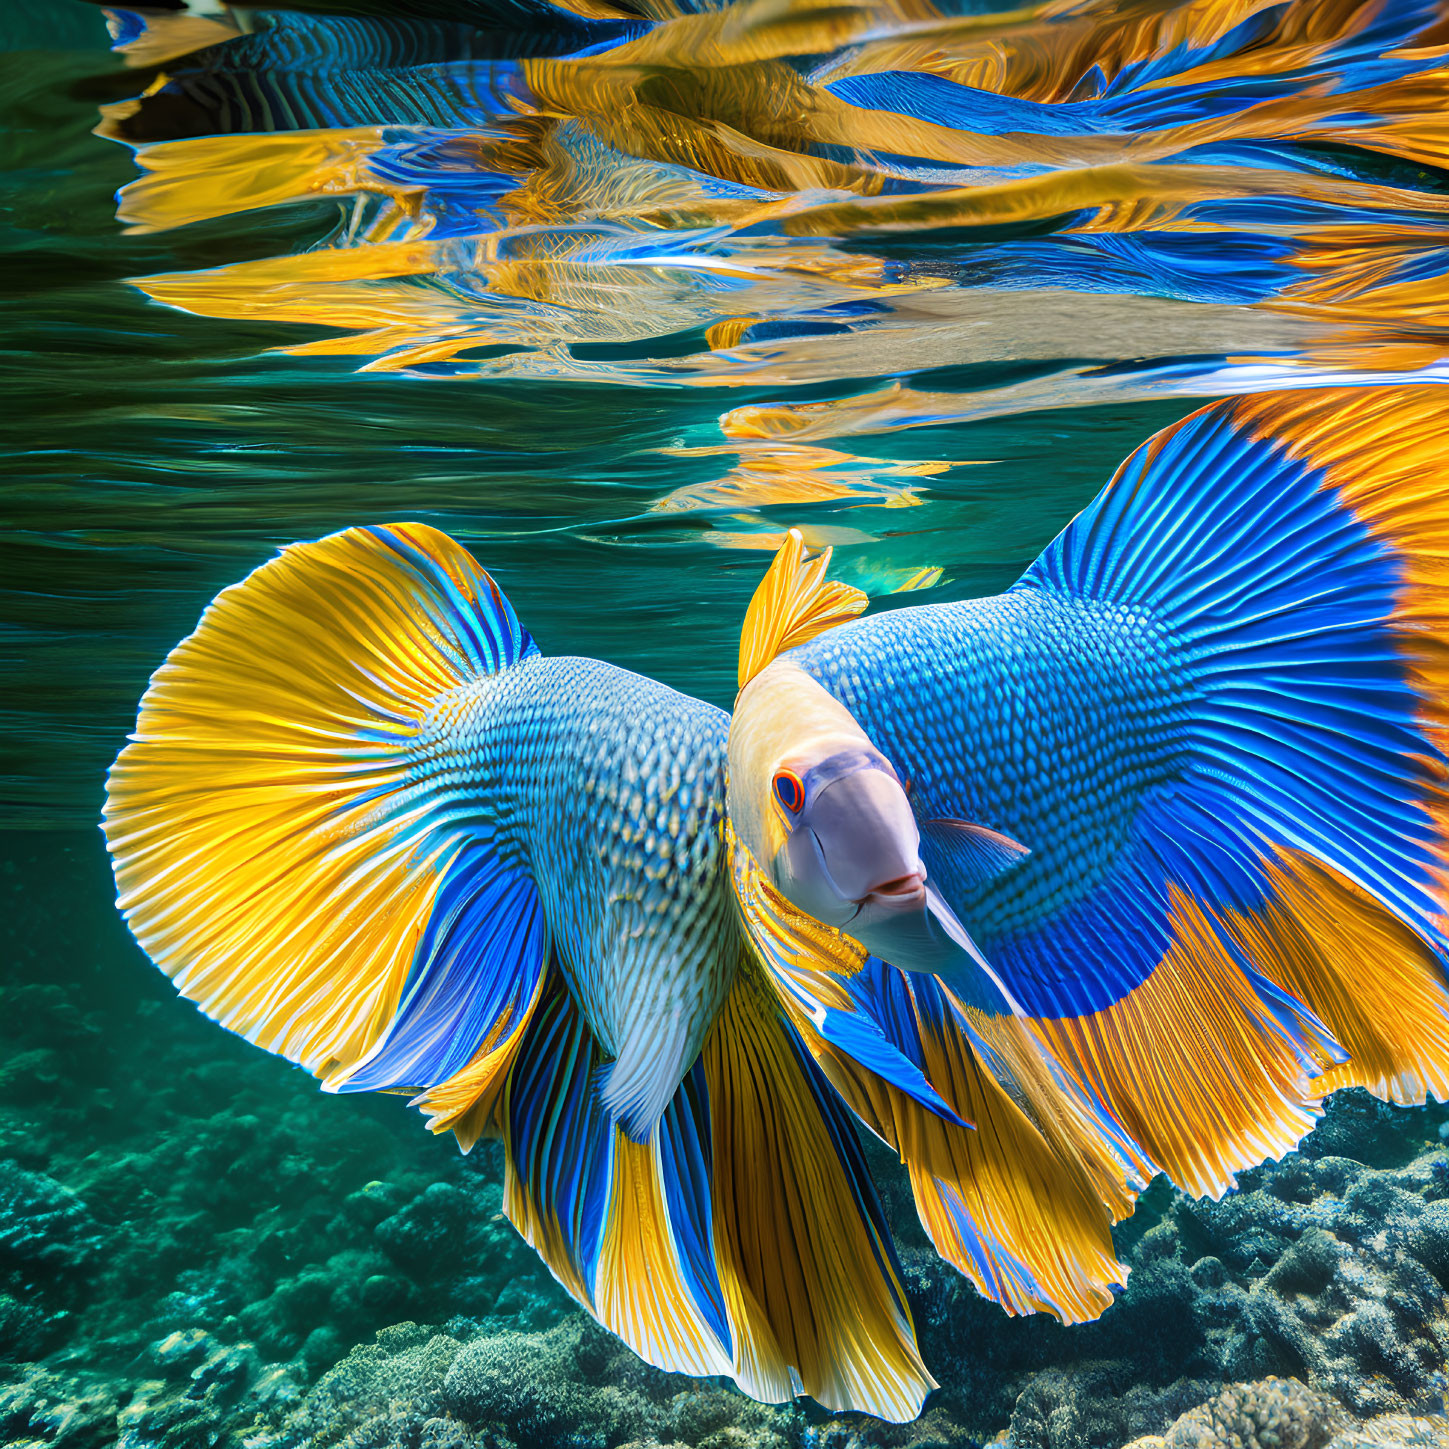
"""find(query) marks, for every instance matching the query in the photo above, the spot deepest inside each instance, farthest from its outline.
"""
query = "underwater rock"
(1321, 1268)
(431, 1234)
(1395, 1431)
(47, 1240)
(66, 1410)
(43, 1226)
(1333, 1272)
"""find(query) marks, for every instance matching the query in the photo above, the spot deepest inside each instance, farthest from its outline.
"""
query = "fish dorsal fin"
(794, 603)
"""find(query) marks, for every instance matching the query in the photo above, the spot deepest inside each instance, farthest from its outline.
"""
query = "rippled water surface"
(621, 445)
(157, 456)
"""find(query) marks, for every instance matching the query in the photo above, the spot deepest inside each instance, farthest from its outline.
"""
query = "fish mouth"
(907, 890)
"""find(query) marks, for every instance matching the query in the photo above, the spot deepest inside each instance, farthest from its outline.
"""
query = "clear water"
(152, 457)
(157, 456)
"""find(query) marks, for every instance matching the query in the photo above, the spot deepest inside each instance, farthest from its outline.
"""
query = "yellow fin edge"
(794, 603)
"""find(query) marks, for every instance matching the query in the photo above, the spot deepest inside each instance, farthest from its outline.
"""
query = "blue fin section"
(686, 1161)
(1299, 725)
(126, 26)
(479, 620)
(477, 970)
(970, 854)
(560, 1140)
(869, 1039)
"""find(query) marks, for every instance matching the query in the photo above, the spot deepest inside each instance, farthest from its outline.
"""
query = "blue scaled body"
(1053, 720)
(606, 788)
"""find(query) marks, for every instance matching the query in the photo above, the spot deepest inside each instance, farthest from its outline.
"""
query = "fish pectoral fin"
(975, 853)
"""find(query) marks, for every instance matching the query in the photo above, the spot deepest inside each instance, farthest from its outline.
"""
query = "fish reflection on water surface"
(1120, 871)
(1131, 196)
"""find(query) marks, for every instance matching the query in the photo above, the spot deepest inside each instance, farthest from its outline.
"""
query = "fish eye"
(789, 791)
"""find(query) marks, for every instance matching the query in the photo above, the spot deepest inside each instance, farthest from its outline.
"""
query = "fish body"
(1050, 720)
(366, 824)
(1120, 871)
(609, 788)
(1208, 726)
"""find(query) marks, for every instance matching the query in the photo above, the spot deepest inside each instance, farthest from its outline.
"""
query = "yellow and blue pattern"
(1200, 749)
(1213, 713)
(367, 825)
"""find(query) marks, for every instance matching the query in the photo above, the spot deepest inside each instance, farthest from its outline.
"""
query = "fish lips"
(903, 919)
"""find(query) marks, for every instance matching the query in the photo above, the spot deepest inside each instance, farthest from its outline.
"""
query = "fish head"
(825, 814)
(820, 808)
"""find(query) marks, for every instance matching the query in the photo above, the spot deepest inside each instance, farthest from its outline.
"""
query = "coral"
(383, 1394)
(528, 1386)
(1269, 1414)
(43, 1226)
(573, 1386)
(1327, 1270)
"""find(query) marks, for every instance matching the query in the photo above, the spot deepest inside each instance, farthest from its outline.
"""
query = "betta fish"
(1119, 872)
(1174, 803)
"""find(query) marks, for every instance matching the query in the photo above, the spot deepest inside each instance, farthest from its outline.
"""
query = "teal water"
(155, 457)
(196, 1248)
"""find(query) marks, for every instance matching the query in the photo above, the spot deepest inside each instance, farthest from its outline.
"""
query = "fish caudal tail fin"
(744, 1238)
(1282, 562)
(291, 833)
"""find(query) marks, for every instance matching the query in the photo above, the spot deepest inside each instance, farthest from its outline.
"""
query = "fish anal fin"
(640, 1293)
(1193, 1062)
(1022, 1204)
(806, 1264)
(1026, 1207)
(742, 1238)
(1313, 938)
